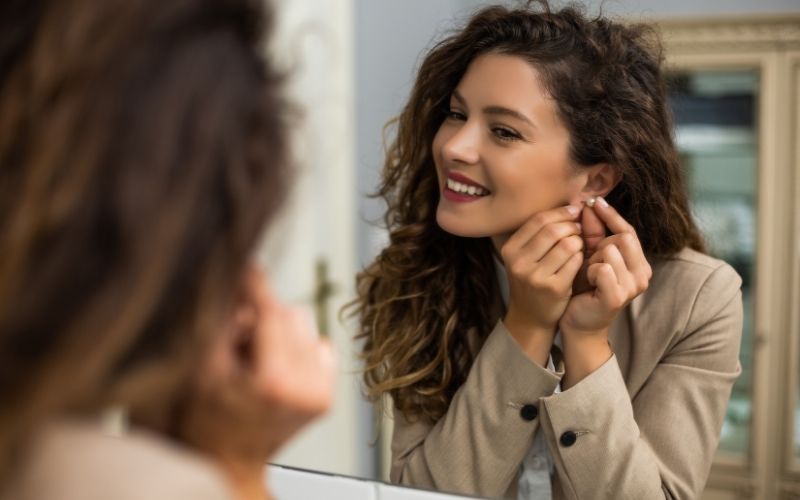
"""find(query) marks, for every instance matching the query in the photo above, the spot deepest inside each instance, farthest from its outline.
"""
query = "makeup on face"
(460, 188)
(495, 168)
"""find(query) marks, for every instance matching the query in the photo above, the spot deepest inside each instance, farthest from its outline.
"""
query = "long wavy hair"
(142, 151)
(427, 289)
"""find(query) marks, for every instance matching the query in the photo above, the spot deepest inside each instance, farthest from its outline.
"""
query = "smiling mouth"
(466, 189)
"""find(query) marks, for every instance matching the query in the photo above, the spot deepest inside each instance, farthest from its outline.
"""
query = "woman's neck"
(247, 482)
(498, 241)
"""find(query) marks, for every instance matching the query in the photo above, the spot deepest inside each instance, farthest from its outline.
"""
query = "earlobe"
(601, 179)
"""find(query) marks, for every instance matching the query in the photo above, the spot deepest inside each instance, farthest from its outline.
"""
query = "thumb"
(594, 231)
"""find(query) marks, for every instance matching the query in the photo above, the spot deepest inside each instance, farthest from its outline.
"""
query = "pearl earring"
(591, 201)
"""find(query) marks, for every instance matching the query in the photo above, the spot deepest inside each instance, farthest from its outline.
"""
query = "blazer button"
(529, 412)
(568, 439)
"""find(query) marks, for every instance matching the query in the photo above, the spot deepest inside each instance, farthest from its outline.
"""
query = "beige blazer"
(75, 460)
(643, 426)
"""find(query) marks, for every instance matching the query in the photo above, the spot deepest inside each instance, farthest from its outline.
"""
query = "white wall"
(313, 42)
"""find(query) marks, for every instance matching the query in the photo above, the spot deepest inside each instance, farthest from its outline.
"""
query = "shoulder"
(77, 460)
(689, 273)
(686, 288)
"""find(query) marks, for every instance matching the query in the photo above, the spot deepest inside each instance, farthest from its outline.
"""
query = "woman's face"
(501, 154)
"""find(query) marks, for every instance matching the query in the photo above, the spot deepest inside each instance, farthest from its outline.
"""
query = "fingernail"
(579, 226)
(602, 201)
(573, 210)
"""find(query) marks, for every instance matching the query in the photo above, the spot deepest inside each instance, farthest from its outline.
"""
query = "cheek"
(574, 185)
(439, 141)
(545, 188)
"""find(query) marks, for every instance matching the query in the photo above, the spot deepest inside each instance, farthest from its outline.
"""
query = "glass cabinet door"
(715, 129)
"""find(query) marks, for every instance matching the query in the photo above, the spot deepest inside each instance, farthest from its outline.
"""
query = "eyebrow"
(496, 110)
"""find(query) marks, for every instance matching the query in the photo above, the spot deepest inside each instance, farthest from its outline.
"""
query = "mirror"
(352, 66)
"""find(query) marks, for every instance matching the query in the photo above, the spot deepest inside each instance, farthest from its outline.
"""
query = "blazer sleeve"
(660, 443)
(476, 448)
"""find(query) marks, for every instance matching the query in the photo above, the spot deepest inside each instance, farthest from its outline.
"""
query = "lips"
(461, 184)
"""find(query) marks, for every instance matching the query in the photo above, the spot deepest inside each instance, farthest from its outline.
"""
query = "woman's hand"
(542, 259)
(617, 271)
(265, 378)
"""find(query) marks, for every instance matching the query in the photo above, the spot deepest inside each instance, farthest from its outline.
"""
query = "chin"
(457, 226)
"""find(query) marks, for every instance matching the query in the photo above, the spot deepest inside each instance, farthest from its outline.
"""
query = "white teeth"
(458, 187)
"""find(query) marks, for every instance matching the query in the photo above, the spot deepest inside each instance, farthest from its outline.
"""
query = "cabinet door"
(734, 97)
(791, 464)
(715, 131)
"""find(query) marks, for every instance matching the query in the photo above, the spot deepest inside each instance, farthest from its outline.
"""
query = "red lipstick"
(462, 189)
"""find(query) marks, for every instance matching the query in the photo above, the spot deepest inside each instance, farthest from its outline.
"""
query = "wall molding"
(740, 34)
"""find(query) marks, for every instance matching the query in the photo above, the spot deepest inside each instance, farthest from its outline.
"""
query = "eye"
(452, 114)
(506, 134)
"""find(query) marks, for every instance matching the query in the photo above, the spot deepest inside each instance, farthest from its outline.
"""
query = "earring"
(591, 201)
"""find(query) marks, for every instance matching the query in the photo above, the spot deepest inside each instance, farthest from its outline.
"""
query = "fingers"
(560, 254)
(624, 238)
(293, 367)
(626, 284)
(611, 218)
(550, 237)
(594, 231)
(532, 227)
(609, 290)
(255, 288)
(616, 268)
(633, 255)
(570, 269)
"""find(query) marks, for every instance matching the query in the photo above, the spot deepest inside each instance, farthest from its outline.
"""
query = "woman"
(544, 318)
(143, 148)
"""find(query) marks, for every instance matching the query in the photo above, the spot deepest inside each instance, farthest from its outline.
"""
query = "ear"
(231, 352)
(600, 180)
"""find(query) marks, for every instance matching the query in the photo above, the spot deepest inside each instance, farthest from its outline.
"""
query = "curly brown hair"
(425, 291)
(142, 151)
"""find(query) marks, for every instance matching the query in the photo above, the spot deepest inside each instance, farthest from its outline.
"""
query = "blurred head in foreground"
(143, 150)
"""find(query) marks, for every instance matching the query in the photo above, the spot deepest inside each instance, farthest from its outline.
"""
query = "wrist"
(583, 354)
(582, 333)
(534, 340)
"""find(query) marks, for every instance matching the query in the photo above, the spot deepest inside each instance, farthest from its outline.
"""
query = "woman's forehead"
(510, 82)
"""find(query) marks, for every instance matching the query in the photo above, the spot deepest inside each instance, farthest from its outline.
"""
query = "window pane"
(716, 134)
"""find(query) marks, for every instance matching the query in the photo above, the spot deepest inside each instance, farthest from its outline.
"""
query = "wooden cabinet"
(735, 90)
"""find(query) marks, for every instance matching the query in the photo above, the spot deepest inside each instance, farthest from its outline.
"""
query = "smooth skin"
(570, 267)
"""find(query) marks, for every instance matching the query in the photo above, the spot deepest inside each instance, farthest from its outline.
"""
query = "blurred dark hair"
(428, 288)
(142, 151)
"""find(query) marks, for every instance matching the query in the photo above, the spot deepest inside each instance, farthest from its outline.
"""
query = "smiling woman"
(490, 134)
(531, 340)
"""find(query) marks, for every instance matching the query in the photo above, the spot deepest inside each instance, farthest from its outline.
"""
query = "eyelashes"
(505, 134)
(501, 133)
(456, 115)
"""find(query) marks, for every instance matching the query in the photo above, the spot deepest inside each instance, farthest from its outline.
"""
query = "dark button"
(568, 438)
(529, 412)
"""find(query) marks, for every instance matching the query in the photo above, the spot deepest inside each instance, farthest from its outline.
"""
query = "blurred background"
(734, 73)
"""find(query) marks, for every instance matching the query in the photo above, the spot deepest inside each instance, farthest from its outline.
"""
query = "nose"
(462, 146)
